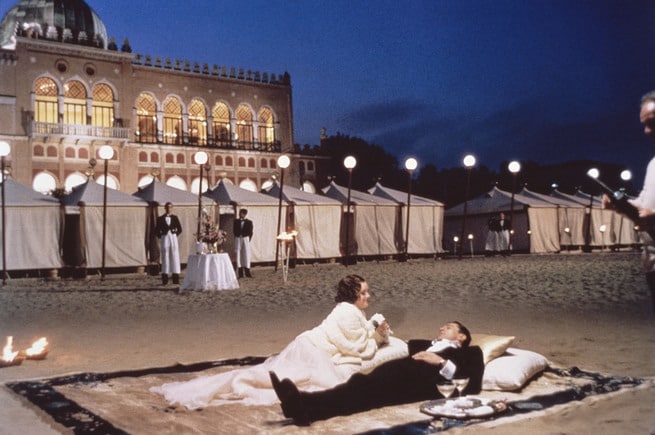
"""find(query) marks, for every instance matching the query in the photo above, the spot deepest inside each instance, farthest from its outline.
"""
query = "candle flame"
(8, 354)
(38, 347)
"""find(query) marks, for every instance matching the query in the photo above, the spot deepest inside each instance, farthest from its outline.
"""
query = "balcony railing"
(47, 128)
(218, 143)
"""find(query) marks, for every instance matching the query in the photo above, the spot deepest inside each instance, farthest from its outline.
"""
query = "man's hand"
(428, 357)
(606, 202)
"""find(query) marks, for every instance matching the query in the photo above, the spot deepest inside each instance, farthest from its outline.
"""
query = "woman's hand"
(383, 329)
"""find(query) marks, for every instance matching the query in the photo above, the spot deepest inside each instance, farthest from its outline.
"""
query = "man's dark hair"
(648, 96)
(243, 211)
(464, 330)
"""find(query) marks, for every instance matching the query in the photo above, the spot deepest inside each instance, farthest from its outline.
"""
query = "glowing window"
(45, 101)
(146, 119)
(266, 129)
(172, 121)
(102, 111)
(197, 123)
(221, 124)
(244, 125)
(74, 103)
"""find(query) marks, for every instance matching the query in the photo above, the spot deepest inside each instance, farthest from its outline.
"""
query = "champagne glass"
(460, 384)
(446, 388)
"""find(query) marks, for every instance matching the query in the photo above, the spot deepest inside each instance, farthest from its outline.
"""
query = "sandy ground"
(587, 310)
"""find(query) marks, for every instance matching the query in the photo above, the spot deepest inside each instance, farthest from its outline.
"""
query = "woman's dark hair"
(348, 289)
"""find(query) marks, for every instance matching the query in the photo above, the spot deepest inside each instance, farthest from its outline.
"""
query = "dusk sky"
(549, 81)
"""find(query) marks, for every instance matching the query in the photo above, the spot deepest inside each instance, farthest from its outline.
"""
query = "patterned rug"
(120, 403)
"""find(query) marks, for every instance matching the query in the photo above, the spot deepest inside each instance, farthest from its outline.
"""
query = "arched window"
(69, 153)
(45, 101)
(51, 151)
(197, 123)
(143, 157)
(218, 161)
(102, 112)
(74, 103)
(244, 127)
(154, 157)
(221, 125)
(172, 121)
(38, 151)
(229, 161)
(180, 159)
(242, 162)
(266, 128)
(44, 182)
(177, 181)
(308, 186)
(248, 184)
(83, 153)
(264, 163)
(74, 179)
(170, 158)
(146, 119)
(251, 162)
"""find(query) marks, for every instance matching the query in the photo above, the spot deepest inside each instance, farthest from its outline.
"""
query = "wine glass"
(446, 388)
(460, 384)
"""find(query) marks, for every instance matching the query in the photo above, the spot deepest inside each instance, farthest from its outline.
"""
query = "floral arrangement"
(209, 231)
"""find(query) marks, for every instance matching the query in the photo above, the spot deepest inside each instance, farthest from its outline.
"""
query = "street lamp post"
(469, 162)
(283, 162)
(626, 176)
(5, 149)
(514, 167)
(593, 173)
(201, 159)
(410, 165)
(105, 152)
(349, 162)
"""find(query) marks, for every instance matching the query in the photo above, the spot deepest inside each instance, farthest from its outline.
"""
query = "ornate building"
(67, 89)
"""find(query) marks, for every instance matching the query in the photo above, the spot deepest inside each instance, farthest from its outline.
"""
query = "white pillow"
(396, 349)
(512, 370)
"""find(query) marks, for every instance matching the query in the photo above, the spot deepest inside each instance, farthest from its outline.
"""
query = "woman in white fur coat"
(317, 359)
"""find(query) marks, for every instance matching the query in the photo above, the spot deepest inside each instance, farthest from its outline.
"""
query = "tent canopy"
(33, 228)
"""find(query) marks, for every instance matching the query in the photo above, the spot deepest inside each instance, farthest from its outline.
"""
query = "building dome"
(70, 21)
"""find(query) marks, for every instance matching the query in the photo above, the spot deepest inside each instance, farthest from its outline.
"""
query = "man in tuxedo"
(405, 380)
(645, 202)
(242, 235)
(168, 229)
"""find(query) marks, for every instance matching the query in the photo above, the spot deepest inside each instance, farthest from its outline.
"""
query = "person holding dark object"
(168, 229)
(242, 235)
(406, 380)
(645, 202)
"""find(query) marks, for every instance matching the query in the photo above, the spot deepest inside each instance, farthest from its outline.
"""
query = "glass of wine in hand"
(460, 384)
(446, 388)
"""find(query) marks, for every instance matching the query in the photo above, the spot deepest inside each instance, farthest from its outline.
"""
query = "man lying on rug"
(399, 381)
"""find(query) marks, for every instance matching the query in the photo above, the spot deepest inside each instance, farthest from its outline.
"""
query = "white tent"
(126, 227)
(571, 217)
(376, 229)
(262, 210)
(316, 218)
(185, 207)
(425, 219)
(607, 226)
(33, 228)
(534, 222)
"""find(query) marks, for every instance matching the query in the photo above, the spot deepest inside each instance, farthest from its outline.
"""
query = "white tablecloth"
(209, 272)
